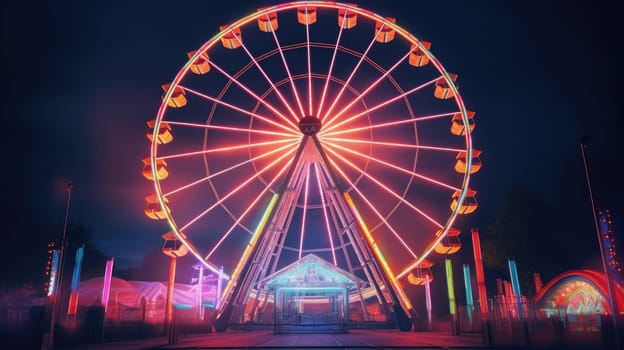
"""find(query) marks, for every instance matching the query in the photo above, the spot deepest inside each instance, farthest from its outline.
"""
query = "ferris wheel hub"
(309, 125)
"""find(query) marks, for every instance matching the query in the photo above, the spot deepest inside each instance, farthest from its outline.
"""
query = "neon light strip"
(252, 94)
(387, 189)
(279, 94)
(238, 109)
(375, 248)
(451, 286)
(368, 89)
(393, 144)
(515, 283)
(244, 214)
(468, 285)
(292, 82)
(370, 205)
(395, 167)
(331, 65)
(309, 64)
(108, 276)
(229, 128)
(73, 297)
(357, 66)
(428, 297)
(324, 134)
(53, 272)
(225, 149)
(476, 247)
(381, 105)
(293, 5)
(305, 206)
(324, 205)
(263, 155)
(238, 188)
(250, 245)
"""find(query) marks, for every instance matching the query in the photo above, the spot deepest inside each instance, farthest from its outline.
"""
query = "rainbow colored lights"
(255, 150)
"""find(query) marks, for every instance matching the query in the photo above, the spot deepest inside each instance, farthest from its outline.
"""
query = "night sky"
(81, 78)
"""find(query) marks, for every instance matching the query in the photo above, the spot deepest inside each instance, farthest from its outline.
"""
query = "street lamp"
(584, 140)
(48, 342)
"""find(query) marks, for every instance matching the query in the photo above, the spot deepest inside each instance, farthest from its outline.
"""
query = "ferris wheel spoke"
(386, 188)
(393, 166)
(309, 66)
(254, 95)
(211, 176)
(305, 208)
(348, 81)
(237, 189)
(331, 65)
(226, 149)
(249, 208)
(230, 128)
(323, 134)
(382, 104)
(239, 109)
(368, 89)
(325, 216)
(393, 144)
(264, 74)
(372, 207)
(292, 82)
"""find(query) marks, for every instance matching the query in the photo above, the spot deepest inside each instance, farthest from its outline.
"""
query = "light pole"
(584, 140)
(48, 342)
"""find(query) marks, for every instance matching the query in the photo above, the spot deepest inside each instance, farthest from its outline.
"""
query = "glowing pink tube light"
(387, 189)
(279, 94)
(252, 94)
(292, 82)
(238, 109)
(325, 216)
(108, 276)
(331, 65)
(368, 89)
(230, 128)
(238, 188)
(372, 207)
(324, 133)
(225, 149)
(357, 66)
(263, 155)
(395, 167)
(305, 208)
(383, 104)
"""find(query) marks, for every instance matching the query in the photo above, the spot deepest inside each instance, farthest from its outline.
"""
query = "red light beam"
(386, 188)
(395, 167)
(383, 104)
(263, 155)
(235, 190)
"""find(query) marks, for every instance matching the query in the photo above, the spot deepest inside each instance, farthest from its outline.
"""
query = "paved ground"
(356, 339)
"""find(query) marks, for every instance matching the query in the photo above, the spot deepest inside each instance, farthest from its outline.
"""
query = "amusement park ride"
(318, 128)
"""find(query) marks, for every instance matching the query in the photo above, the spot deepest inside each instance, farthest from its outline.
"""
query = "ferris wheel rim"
(289, 6)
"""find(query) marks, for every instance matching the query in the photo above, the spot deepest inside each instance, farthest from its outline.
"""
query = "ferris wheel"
(313, 127)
